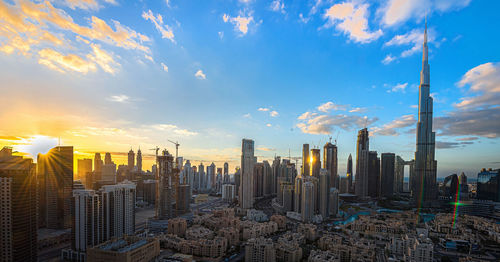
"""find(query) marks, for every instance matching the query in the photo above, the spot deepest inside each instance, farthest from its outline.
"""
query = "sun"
(36, 144)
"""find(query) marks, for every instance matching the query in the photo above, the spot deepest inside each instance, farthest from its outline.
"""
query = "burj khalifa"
(424, 187)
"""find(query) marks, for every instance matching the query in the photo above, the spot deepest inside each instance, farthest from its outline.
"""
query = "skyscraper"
(387, 174)
(276, 173)
(425, 188)
(305, 160)
(399, 171)
(350, 174)
(139, 161)
(315, 162)
(107, 158)
(131, 156)
(84, 167)
(330, 163)
(97, 162)
(164, 193)
(373, 174)
(323, 190)
(248, 161)
(488, 185)
(18, 207)
(333, 202)
(226, 168)
(55, 169)
(362, 154)
(308, 201)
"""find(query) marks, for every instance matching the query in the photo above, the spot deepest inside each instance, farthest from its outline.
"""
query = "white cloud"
(165, 30)
(263, 109)
(398, 88)
(388, 59)
(221, 34)
(414, 38)
(484, 80)
(103, 59)
(61, 63)
(326, 124)
(392, 128)
(200, 75)
(278, 6)
(38, 29)
(479, 114)
(119, 98)
(248, 115)
(351, 19)
(268, 125)
(396, 12)
(164, 67)
(241, 22)
(274, 114)
(175, 129)
(328, 106)
(307, 115)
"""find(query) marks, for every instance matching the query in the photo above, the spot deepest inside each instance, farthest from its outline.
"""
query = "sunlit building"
(55, 174)
(18, 208)
(306, 160)
(84, 167)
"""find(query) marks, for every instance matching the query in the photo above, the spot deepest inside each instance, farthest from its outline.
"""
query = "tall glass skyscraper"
(424, 188)
(488, 185)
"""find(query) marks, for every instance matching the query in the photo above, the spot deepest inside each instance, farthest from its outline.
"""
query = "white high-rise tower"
(424, 187)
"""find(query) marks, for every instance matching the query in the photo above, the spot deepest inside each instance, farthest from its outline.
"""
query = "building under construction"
(167, 175)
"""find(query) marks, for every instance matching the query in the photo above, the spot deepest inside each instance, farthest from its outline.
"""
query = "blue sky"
(108, 75)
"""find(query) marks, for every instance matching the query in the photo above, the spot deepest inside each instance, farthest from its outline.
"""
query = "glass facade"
(488, 185)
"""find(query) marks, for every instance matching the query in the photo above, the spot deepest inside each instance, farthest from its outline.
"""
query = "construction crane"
(176, 148)
(156, 149)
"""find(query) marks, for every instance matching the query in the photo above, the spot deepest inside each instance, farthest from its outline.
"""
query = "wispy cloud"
(175, 129)
(164, 67)
(329, 106)
(392, 128)
(278, 6)
(119, 98)
(388, 59)
(263, 109)
(398, 88)
(274, 114)
(165, 30)
(414, 38)
(86, 4)
(396, 12)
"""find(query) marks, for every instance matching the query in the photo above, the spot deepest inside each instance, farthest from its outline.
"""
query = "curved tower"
(424, 185)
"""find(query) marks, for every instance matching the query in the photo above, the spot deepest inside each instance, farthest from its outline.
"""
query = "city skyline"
(123, 97)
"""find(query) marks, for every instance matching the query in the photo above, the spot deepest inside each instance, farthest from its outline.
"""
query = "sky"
(111, 75)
